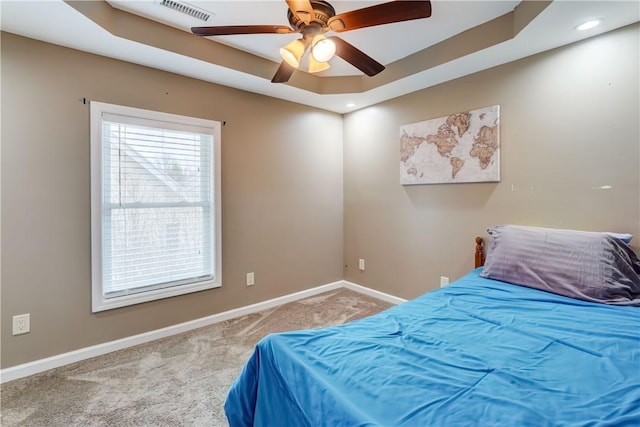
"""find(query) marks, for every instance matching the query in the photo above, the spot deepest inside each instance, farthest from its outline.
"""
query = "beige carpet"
(177, 381)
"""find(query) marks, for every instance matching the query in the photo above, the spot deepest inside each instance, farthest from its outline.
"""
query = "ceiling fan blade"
(302, 9)
(283, 73)
(385, 13)
(241, 29)
(356, 57)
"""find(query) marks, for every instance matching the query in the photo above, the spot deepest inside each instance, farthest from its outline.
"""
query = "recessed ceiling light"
(588, 25)
(351, 105)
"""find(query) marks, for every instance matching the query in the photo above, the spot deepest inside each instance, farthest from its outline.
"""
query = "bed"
(481, 351)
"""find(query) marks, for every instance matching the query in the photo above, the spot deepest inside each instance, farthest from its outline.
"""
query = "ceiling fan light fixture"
(322, 49)
(316, 67)
(292, 53)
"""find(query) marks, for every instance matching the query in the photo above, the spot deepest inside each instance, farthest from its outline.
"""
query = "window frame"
(98, 300)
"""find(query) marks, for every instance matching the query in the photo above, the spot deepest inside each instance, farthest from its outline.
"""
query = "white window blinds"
(157, 227)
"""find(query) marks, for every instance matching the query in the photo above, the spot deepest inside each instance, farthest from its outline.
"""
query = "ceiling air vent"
(187, 9)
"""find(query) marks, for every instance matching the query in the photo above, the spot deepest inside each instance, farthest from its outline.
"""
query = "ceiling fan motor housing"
(322, 11)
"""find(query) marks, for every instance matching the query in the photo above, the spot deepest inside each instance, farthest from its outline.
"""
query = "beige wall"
(282, 195)
(569, 124)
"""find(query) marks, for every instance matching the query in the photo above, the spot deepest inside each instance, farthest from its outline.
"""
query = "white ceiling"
(54, 21)
(387, 43)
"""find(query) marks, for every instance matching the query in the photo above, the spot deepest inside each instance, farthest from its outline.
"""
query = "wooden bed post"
(479, 253)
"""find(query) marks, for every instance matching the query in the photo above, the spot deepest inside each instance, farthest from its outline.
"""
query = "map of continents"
(462, 147)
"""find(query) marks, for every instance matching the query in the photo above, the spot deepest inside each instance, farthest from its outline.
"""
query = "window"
(155, 208)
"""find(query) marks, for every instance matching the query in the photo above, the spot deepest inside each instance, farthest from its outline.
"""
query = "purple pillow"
(590, 266)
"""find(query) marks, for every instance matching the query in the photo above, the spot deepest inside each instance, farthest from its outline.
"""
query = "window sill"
(100, 303)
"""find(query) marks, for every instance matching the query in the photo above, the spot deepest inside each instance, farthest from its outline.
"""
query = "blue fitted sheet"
(477, 352)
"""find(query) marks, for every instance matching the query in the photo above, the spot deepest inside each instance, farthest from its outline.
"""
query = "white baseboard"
(37, 366)
(373, 293)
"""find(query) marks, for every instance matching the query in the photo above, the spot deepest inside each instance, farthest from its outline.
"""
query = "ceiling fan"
(312, 19)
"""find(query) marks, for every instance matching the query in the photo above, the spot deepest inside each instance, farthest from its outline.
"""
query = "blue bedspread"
(476, 353)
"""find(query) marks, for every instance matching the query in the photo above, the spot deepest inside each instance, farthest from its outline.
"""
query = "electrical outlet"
(361, 264)
(444, 281)
(21, 324)
(250, 279)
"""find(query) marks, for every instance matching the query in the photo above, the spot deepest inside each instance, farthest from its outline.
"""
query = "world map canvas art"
(462, 147)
